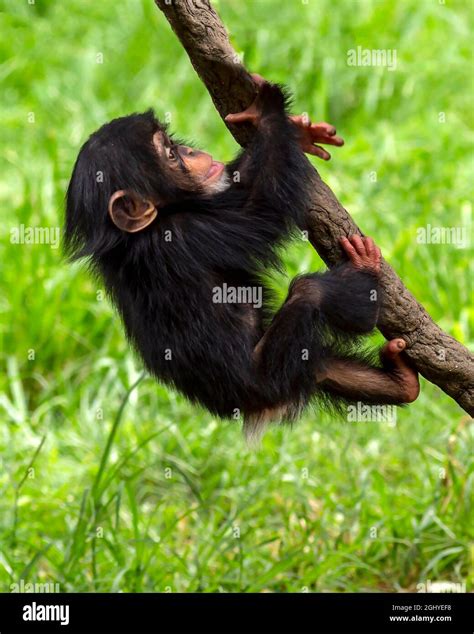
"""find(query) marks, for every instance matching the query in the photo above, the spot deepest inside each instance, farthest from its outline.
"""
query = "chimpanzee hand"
(363, 253)
(312, 133)
(253, 113)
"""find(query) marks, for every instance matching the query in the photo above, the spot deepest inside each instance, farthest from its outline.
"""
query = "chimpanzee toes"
(404, 375)
(392, 349)
(363, 253)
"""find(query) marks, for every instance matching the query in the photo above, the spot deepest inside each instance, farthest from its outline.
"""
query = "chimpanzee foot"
(399, 370)
(363, 253)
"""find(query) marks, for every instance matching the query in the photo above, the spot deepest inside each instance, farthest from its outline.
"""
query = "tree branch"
(436, 355)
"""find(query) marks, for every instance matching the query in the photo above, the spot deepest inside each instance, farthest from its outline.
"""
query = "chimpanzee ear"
(129, 212)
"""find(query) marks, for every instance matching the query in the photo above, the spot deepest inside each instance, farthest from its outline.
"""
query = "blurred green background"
(166, 498)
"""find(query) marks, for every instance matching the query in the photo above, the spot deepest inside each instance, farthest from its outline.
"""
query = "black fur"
(162, 278)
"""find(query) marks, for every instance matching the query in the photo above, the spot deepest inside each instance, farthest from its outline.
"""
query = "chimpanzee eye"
(172, 153)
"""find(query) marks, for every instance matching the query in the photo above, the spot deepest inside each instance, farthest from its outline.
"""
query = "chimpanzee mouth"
(216, 167)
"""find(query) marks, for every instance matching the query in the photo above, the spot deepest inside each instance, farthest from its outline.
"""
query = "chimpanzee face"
(185, 168)
(200, 166)
(142, 170)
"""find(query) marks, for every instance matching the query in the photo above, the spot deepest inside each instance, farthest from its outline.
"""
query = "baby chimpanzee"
(181, 242)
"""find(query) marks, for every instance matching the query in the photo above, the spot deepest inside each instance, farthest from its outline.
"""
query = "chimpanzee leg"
(291, 352)
(347, 298)
(294, 364)
(348, 295)
(299, 340)
(298, 356)
(287, 358)
(353, 380)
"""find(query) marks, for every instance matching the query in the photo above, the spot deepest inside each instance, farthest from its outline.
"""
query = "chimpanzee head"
(127, 172)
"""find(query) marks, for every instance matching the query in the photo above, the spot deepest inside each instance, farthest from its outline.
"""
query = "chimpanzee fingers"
(358, 245)
(258, 79)
(241, 117)
(373, 250)
(234, 117)
(302, 121)
(369, 245)
(325, 133)
(348, 248)
(316, 150)
(329, 140)
(324, 128)
(335, 140)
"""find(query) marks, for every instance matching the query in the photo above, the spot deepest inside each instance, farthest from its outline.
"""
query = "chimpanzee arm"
(273, 171)
(243, 226)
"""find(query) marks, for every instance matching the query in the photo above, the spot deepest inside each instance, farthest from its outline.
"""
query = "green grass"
(98, 492)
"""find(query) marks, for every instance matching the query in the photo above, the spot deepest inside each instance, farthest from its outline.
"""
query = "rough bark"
(436, 355)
